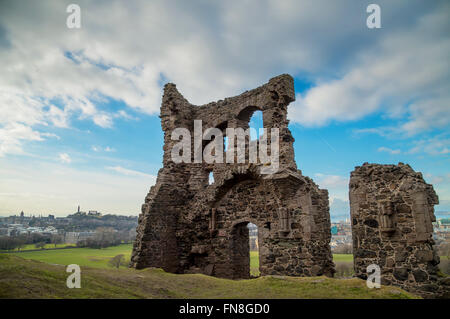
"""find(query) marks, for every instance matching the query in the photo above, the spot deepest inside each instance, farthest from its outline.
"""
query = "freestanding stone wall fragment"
(189, 226)
(392, 212)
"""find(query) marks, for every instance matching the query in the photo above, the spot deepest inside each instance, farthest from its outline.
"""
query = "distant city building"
(94, 213)
(341, 234)
(76, 237)
(334, 230)
(78, 226)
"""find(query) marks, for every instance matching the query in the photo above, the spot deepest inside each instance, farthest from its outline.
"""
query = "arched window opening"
(225, 143)
(256, 123)
(211, 178)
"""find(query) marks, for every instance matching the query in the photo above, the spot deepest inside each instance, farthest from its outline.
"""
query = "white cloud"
(48, 188)
(123, 114)
(388, 150)
(58, 117)
(129, 172)
(404, 75)
(429, 113)
(339, 209)
(65, 158)
(102, 149)
(12, 136)
(441, 184)
(331, 181)
(437, 145)
(438, 179)
(337, 187)
(388, 132)
(103, 120)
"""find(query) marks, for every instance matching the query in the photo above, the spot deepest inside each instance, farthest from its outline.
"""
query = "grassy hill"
(23, 278)
(99, 257)
(90, 257)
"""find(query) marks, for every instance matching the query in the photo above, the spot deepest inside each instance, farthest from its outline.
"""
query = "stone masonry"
(190, 226)
(392, 213)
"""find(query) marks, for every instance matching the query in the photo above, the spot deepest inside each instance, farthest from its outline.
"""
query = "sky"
(79, 108)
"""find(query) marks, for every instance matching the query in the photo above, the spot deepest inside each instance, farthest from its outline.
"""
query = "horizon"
(336, 219)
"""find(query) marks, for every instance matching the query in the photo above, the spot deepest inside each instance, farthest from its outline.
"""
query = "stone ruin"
(392, 212)
(190, 226)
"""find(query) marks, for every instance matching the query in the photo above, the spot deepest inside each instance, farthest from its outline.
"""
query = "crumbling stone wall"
(189, 226)
(392, 212)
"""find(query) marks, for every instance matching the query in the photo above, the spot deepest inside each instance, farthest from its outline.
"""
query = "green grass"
(30, 278)
(47, 246)
(81, 256)
(254, 263)
(23, 278)
(99, 257)
(343, 257)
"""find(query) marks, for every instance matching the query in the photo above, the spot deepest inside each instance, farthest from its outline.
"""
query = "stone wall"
(189, 226)
(392, 212)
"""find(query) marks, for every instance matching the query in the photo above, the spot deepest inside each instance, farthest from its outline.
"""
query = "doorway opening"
(245, 262)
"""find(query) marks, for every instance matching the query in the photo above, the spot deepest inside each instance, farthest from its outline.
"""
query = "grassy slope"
(81, 256)
(21, 278)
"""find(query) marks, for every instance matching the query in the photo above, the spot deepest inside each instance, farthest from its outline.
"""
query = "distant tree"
(444, 249)
(131, 235)
(21, 242)
(39, 245)
(90, 243)
(57, 239)
(8, 243)
(3, 244)
(343, 249)
(107, 236)
(117, 261)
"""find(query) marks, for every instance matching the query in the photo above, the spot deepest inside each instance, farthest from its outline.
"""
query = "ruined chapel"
(189, 225)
